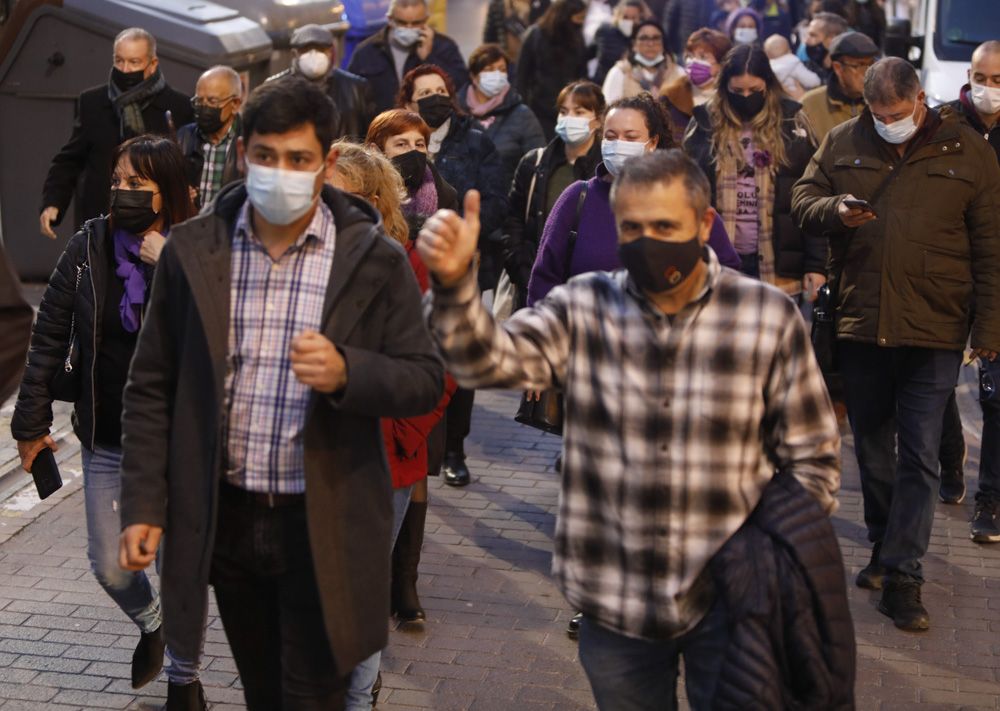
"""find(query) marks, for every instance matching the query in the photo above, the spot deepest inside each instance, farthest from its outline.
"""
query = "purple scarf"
(425, 202)
(134, 275)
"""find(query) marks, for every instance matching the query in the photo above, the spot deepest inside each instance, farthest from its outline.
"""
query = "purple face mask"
(699, 72)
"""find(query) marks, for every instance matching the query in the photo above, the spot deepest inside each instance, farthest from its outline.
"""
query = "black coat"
(781, 578)
(192, 145)
(96, 134)
(522, 229)
(85, 252)
(373, 60)
(15, 328)
(796, 253)
(353, 102)
(173, 423)
(544, 68)
(611, 46)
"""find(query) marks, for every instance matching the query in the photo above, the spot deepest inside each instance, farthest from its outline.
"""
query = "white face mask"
(574, 130)
(745, 35)
(281, 196)
(405, 37)
(615, 153)
(626, 27)
(492, 83)
(314, 64)
(898, 131)
(649, 62)
(986, 99)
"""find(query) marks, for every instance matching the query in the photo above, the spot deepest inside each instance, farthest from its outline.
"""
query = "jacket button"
(881, 341)
(857, 161)
(944, 148)
(951, 171)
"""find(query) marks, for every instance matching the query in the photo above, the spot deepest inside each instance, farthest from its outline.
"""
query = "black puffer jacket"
(781, 579)
(796, 253)
(544, 68)
(86, 253)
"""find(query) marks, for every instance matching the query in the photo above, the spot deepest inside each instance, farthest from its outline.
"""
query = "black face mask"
(209, 119)
(132, 210)
(127, 80)
(816, 52)
(434, 109)
(657, 266)
(746, 107)
(412, 166)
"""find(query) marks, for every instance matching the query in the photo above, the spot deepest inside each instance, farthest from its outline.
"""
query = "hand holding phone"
(854, 212)
(45, 472)
(856, 204)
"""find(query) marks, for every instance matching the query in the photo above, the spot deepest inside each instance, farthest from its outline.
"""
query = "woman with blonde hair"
(367, 173)
(746, 142)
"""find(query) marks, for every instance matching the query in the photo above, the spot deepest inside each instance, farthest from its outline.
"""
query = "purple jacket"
(597, 238)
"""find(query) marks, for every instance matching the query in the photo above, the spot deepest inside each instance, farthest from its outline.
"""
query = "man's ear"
(707, 222)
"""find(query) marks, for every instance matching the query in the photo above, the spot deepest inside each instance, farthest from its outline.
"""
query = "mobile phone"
(860, 205)
(45, 472)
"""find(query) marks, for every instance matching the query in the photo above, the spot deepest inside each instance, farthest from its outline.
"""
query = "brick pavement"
(494, 636)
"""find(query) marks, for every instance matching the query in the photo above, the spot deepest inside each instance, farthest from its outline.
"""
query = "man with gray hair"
(908, 199)
(689, 389)
(136, 100)
(406, 42)
(209, 142)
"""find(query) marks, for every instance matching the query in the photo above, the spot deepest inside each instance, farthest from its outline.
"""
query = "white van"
(940, 41)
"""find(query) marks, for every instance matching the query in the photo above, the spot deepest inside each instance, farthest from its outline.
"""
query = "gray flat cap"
(853, 44)
(309, 35)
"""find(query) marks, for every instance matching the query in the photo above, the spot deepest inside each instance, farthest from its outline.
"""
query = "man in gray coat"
(281, 326)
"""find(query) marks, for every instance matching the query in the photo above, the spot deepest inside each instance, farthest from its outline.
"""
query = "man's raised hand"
(447, 242)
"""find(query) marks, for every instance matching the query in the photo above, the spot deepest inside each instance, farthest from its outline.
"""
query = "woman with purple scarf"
(86, 331)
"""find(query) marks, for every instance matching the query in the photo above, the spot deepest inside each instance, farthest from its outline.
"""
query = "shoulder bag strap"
(531, 187)
(574, 231)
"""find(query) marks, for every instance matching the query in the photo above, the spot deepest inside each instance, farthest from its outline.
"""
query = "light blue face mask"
(615, 153)
(281, 196)
(405, 37)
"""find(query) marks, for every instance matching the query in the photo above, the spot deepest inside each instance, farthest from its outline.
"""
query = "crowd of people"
(270, 325)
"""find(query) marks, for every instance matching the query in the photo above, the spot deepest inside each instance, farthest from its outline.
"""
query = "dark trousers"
(952, 454)
(458, 418)
(989, 458)
(265, 586)
(895, 400)
(628, 674)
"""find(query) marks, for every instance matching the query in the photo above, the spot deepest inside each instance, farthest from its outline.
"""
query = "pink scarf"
(481, 109)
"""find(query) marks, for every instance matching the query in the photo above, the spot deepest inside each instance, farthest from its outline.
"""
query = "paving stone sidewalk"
(494, 638)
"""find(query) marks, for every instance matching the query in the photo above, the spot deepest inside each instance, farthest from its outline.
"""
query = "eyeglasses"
(649, 38)
(414, 23)
(211, 102)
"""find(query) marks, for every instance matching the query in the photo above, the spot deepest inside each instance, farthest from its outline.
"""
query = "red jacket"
(406, 439)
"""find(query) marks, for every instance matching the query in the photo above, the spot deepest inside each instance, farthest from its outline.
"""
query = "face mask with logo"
(132, 210)
(405, 37)
(208, 119)
(986, 99)
(127, 80)
(698, 71)
(897, 132)
(412, 166)
(615, 153)
(573, 130)
(492, 83)
(816, 52)
(657, 266)
(744, 35)
(746, 107)
(281, 196)
(626, 27)
(314, 64)
(649, 62)
(434, 109)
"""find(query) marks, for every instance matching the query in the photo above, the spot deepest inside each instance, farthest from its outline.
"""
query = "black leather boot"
(147, 659)
(870, 577)
(456, 472)
(405, 560)
(185, 697)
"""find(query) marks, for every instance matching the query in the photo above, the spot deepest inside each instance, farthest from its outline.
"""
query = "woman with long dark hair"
(81, 347)
(553, 55)
(747, 142)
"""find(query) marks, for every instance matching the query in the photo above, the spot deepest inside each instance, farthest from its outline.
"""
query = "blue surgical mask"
(744, 35)
(281, 196)
(573, 130)
(405, 37)
(492, 83)
(615, 153)
(898, 132)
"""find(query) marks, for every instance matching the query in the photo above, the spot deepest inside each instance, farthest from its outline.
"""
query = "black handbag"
(67, 382)
(547, 412)
(824, 331)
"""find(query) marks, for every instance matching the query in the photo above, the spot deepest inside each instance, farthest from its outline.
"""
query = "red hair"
(392, 123)
(406, 87)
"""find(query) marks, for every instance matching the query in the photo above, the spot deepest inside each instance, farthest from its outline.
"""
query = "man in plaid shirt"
(687, 388)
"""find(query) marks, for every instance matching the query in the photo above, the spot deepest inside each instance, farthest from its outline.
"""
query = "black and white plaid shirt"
(671, 432)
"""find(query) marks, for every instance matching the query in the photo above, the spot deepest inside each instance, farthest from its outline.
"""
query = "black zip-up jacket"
(85, 253)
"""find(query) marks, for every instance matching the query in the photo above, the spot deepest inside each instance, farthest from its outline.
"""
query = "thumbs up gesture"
(447, 242)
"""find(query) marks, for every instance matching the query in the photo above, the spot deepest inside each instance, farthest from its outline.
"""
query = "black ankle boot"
(147, 659)
(185, 697)
(901, 601)
(405, 560)
(870, 577)
(456, 471)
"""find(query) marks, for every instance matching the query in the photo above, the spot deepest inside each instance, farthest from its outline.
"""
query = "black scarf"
(130, 104)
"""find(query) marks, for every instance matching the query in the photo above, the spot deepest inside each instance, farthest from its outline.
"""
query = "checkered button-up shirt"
(272, 302)
(671, 432)
(214, 166)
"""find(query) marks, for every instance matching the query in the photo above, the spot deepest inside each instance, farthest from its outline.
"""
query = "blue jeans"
(628, 674)
(131, 591)
(359, 692)
(896, 398)
(989, 400)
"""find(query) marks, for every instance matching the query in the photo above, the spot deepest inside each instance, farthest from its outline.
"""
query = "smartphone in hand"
(856, 204)
(45, 472)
